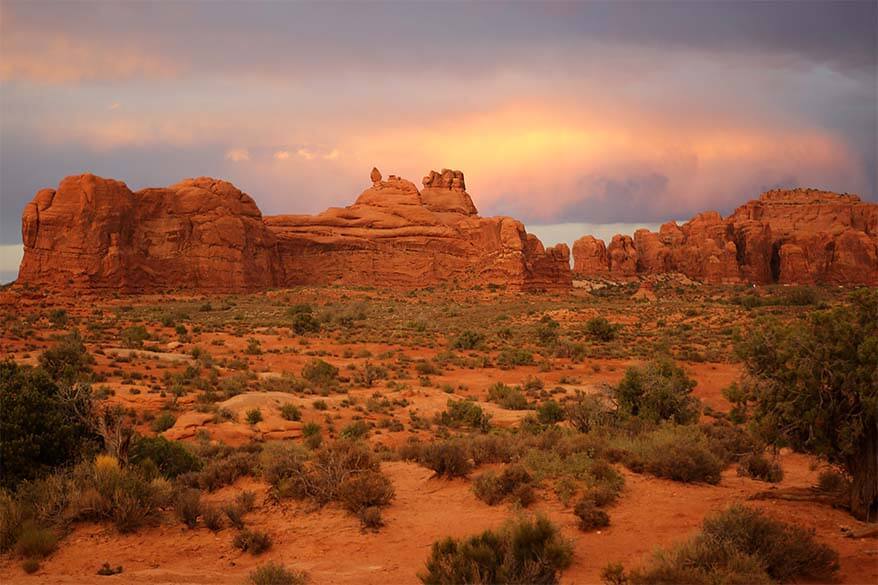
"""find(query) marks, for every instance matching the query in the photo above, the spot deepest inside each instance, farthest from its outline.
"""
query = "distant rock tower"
(376, 176)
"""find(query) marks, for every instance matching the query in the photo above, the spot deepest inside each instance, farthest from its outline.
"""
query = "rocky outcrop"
(94, 233)
(206, 235)
(396, 235)
(800, 236)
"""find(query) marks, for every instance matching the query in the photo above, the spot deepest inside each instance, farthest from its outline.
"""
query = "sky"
(560, 114)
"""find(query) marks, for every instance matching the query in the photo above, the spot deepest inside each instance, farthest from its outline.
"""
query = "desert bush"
(512, 482)
(550, 412)
(40, 424)
(291, 412)
(758, 466)
(212, 517)
(253, 541)
(509, 397)
(235, 515)
(729, 442)
(600, 329)
(221, 471)
(246, 500)
(12, 516)
(488, 449)
(163, 422)
(829, 480)
(522, 551)
(467, 340)
(680, 453)
(591, 517)
(34, 542)
(187, 507)
(463, 413)
(103, 490)
(312, 435)
(68, 361)
(134, 336)
(279, 461)
(509, 358)
(275, 574)
(320, 373)
(254, 416)
(587, 412)
(742, 545)
(356, 430)
(172, 458)
(446, 458)
(659, 391)
(365, 494)
(304, 323)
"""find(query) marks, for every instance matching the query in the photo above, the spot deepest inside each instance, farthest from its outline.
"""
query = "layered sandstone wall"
(396, 235)
(95, 233)
(802, 236)
(206, 235)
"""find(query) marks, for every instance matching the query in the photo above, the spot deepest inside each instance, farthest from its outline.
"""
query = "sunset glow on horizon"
(557, 113)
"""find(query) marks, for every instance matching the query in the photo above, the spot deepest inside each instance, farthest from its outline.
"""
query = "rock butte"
(206, 235)
(802, 236)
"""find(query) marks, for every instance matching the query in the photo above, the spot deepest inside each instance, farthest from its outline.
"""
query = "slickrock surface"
(206, 235)
(802, 236)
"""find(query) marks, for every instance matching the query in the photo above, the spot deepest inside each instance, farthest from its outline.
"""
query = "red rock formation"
(206, 235)
(799, 236)
(395, 235)
(590, 256)
(94, 233)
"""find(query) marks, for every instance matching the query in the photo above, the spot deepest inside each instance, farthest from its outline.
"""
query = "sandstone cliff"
(396, 235)
(206, 235)
(802, 236)
(94, 233)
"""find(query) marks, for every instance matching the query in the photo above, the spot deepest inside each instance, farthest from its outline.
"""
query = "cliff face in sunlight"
(801, 236)
(206, 235)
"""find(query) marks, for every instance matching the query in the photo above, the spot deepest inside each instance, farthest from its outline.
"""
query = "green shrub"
(743, 545)
(447, 458)
(35, 543)
(30, 566)
(513, 481)
(522, 551)
(254, 416)
(600, 329)
(550, 412)
(172, 458)
(275, 574)
(468, 340)
(291, 412)
(659, 391)
(304, 323)
(39, 423)
(509, 397)
(509, 358)
(188, 507)
(163, 422)
(369, 489)
(134, 336)
(68, 361)
(758, 466)
(356, 430)
(587, 412)
(212, 517)
(591, 517)
(252, 541)
(320, 373)
(463, 413)
(680, 453)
